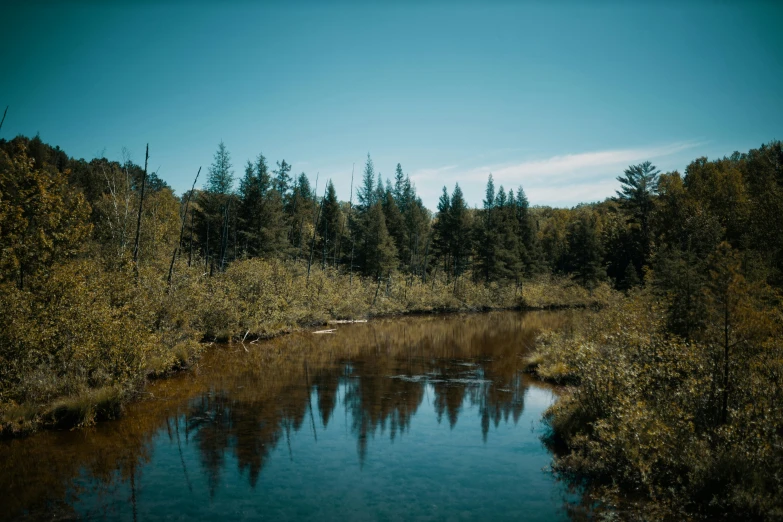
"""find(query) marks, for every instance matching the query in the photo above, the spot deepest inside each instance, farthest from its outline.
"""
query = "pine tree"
(443, 230)
(217, 211)
(639, 187)
(584, 250)
(366, 192)
(282, 179)
(380, 256)
(301, 209)
(331, 221)
(395, 224)
(461, 237)
(262, 225)
(221, 177)
(487, 234)
(508, 249)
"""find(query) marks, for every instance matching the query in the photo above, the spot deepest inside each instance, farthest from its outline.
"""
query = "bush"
(644, 422)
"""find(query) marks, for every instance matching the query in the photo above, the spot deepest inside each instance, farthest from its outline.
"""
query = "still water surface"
(419, 418)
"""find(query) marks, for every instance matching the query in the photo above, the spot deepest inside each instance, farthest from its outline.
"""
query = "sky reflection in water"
(417, 418)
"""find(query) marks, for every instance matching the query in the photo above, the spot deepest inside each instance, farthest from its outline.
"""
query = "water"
(422, 418)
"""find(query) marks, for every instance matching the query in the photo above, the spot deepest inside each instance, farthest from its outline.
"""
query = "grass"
(87, 339)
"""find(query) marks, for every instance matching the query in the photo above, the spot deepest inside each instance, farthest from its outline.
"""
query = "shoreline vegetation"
(673, 389)
(107, 279)
(252, 300)
(652, 426)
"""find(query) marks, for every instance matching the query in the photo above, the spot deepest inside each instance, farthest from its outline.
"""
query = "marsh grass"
(87, 339)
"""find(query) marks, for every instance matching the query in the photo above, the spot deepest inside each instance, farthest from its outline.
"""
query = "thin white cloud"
(585, 163)
(563, 179)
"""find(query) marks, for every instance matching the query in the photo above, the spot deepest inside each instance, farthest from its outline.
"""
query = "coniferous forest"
(674, 385)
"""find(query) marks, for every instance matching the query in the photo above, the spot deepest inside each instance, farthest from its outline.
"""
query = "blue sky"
(558, 97)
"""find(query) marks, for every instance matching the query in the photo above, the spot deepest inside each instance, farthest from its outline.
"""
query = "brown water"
(427, 418)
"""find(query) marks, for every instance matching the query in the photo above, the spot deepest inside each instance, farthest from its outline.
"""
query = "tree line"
(107, 276)
(664, 224)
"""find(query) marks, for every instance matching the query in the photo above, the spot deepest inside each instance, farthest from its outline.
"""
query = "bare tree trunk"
(141, 206)
(345, 221)
(190, 253)
(312, 243)
(4, 113)
(424, 268)
(326, 238)
(182, 229)
(350, 278)
(206, 249)
(224, 238)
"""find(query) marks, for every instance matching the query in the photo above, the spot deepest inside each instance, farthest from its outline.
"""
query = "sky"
(558, 97)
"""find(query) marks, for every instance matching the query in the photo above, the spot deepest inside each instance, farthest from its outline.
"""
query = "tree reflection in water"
(243, 402)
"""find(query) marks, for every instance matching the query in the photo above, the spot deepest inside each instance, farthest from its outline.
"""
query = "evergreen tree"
(459, 221)
(487, 234)
(636, 197)
(380, 253)
(531, 255)
(396, 225)
(401, 188)
(366, 192)
(263, 230)
(508, 251)
(584, 250)
(301, 209)
(221, 178)
(330, 224)
(442, 229)
(282, 179)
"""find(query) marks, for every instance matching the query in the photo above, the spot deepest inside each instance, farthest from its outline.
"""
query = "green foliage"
(646, 421)
(584, 254)
(220, 178)
(42, 220)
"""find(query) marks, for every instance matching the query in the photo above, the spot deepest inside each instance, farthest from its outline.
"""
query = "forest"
(109, 279)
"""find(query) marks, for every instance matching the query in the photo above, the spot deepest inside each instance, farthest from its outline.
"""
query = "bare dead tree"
(424, 264)
(312, 243)
(345, 220)
(190, 253)
(182, 229)
(326, 240)
(224, 237)
(4, 113)
(141, 206)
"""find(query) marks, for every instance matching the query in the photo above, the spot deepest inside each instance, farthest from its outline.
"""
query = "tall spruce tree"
(282, 180)
(330, 224)
(442, 229)
(487, 234)
(462, 243)
(221, 178)
(263, 228)
(585, 256)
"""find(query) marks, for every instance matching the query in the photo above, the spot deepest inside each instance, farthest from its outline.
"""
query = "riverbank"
(659, 428)
(97, 337)
(361, 401)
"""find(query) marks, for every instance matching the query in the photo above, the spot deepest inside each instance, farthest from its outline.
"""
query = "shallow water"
(425, 418)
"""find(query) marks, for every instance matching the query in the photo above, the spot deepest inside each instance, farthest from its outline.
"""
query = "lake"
(415, 418)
